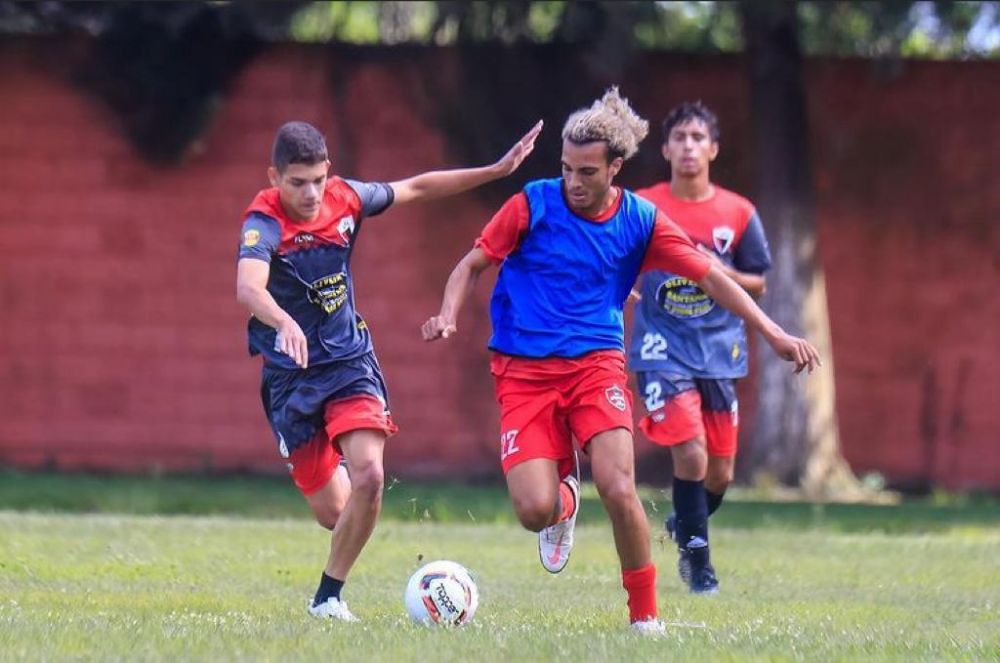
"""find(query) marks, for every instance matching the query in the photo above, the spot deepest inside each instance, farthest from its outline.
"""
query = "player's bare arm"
(728, 294)
(754, 284)
(440, 183)
(251, 291)
(460, 284)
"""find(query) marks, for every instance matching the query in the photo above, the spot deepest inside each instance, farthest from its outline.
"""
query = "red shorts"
(545, 403)
(683, 409)
(312, 464)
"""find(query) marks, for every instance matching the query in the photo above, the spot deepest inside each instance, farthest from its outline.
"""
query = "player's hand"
(292, 342)
(437, 327)
(522, 148)
(797, 350)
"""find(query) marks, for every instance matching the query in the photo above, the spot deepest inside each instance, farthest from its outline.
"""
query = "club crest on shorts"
(616, 397)
(722, 237)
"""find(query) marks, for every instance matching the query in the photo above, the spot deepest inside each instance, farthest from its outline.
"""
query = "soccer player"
(321, 385)
(687, 352)
(569, 250)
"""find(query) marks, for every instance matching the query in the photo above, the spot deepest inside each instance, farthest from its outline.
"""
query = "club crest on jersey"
(346, 228)
(722, 237)
(616, 397)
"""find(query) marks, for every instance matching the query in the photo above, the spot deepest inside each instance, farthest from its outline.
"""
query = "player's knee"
(718, 479)
(368, 480)
(534, 513)
(690, 460)
(617, 490)
(328, 518)
(327, 511)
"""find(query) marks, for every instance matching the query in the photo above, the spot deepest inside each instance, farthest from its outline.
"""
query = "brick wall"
(123, 347)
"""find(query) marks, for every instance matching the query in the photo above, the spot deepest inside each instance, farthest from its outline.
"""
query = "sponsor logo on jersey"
(251, 237)
(616, 397)
(682, 298)
(722, 237)
(283, 448)
(304, 238)
(329, 292)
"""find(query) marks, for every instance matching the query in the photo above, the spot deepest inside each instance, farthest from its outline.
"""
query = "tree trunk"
(794, 437)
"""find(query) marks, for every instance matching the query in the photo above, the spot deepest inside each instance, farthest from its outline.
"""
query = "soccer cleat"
(556, 541)
(683, 563)
(702, 579)
(670, 524)
(649, 627)
(333, 608)
(683, 567)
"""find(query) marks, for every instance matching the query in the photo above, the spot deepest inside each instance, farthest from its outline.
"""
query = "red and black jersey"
(310, 275)
(678, 328)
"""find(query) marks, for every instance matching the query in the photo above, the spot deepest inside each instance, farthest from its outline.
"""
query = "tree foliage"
(863, 29)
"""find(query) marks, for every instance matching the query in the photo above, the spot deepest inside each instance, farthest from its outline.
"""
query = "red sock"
(641, 587)
(565, 503)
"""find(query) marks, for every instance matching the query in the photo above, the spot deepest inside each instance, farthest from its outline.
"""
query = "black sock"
(328, 586)
(714, 500)
(692, 510)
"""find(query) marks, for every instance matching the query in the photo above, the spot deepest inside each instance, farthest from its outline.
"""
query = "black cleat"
(670, 524)
(683, 563)
(702, 578)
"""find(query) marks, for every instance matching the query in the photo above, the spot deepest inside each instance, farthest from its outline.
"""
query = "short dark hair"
(692, 111)
(298, 142)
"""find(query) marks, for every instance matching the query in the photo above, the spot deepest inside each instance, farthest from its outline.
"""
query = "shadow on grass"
(276, 497)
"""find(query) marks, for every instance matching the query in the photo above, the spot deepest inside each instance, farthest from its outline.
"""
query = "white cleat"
(650, 627)
(333, 608)
(556, 541)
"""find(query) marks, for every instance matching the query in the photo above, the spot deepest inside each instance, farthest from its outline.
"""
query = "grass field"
(119, 582)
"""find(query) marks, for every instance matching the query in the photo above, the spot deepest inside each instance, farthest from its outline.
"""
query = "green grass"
(276, 497)
(799, 582)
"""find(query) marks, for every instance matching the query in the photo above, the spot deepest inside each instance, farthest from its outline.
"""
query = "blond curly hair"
(611, 120)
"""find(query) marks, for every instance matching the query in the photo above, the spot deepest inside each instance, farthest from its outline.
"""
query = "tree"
(795, 435)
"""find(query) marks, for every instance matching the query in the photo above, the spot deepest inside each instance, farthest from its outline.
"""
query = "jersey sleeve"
(504, 231)
(752, 253)
(260, 237)
(376, 197)
(670, 250)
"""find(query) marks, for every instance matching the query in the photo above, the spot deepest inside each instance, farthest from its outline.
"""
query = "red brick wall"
(123, 347)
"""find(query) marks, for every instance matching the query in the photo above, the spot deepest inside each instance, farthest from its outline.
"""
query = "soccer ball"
(441, 592)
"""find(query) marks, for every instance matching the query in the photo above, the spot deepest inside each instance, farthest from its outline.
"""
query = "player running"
(569, 251)
(687, 352)
(321, 385)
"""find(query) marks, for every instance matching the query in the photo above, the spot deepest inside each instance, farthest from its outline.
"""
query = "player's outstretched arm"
(755, 284)
(460, 285)
(251, 291)
(440, 183)
(728, 294)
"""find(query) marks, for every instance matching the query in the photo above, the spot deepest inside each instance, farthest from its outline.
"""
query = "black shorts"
(295, 400)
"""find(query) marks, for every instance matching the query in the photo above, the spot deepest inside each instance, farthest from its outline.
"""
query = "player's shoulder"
(265, 205)
(740, 206)
(343, 188)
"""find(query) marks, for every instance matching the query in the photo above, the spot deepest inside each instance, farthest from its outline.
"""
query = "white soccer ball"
(441, 592)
